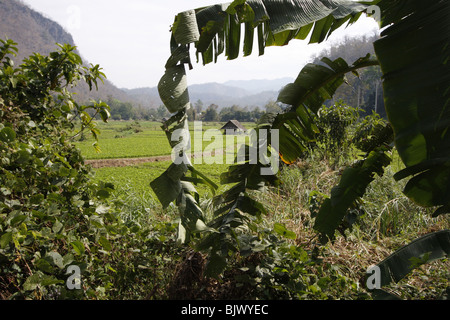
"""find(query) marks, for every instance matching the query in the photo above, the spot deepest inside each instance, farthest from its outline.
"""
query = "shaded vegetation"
(245, 240)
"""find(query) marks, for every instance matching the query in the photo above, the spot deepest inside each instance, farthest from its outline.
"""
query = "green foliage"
(336, 124)
(363, 90)
(45, 194)
(417, 84)
(216, 29)
(52, 215)
(343, 133)
(234, 211)
(270, 267)
(315, 84)
(351, 187)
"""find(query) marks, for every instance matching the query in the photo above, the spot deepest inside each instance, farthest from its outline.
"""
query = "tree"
(256, 114)
(121, 110)
(198, 106)
(46, 192)
(273, 107)
(211, 113)
(162, 112)
(416, 95)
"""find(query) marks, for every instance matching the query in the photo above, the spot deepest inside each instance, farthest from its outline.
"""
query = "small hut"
(233, 127)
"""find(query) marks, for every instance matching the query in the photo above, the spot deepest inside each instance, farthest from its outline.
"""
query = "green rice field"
(129, 139)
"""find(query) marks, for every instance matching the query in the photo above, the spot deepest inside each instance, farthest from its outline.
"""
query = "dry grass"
(367, 244)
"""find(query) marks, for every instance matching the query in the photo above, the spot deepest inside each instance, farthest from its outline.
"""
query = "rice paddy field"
(138, 152)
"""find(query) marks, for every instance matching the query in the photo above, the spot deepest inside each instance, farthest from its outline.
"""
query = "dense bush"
(52, 216)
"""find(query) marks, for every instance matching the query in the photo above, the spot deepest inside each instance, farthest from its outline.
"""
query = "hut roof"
(233, 124)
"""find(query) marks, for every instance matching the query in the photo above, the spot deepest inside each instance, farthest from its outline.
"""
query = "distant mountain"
(244, 93)
(35, 33)
(214, 89)
(257, 86)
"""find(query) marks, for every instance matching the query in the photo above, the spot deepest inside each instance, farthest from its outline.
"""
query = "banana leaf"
(352, 186)
(276, 22)
(426, 249)
(414, 55)
(315, 84)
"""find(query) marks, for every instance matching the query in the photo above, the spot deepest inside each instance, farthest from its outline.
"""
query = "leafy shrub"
(52, 215)
(336, 123)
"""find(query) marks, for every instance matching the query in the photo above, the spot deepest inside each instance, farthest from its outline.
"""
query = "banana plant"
(413, 54)
(215, 30)
(397, 266)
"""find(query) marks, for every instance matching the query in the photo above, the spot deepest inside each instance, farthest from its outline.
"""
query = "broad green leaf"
(185, 27)
(190, 213)
(55, 258)
(167, 187)
(33, 281)
(282, 231)
(172, 89)
(181, 237)
(105, 114)
(416, 86)
(18, 219)
(44, 265)
(68, 259)
(57, 226)
(202, 227)
(78, 247)
(352, 186)
(36, 199)
(105, 243)
(22, 156)
(96, 221)
(277, 22)
(315, 84)
(216, 265)
(7, 134)
(5, 239)
(103, 194)
(39, 279)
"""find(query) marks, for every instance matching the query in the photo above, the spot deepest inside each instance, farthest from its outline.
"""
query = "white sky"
(130, 41)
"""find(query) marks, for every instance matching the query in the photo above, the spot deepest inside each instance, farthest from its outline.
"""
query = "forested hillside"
(35, 33)
(364, 91)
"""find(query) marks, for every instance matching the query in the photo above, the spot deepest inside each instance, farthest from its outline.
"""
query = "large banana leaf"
(425, 249)
(414, 55)
(351, 187)
(232, 208)
(315, 84)
(216, 29)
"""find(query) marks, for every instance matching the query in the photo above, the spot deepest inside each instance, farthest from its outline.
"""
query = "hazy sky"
(130, 40)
